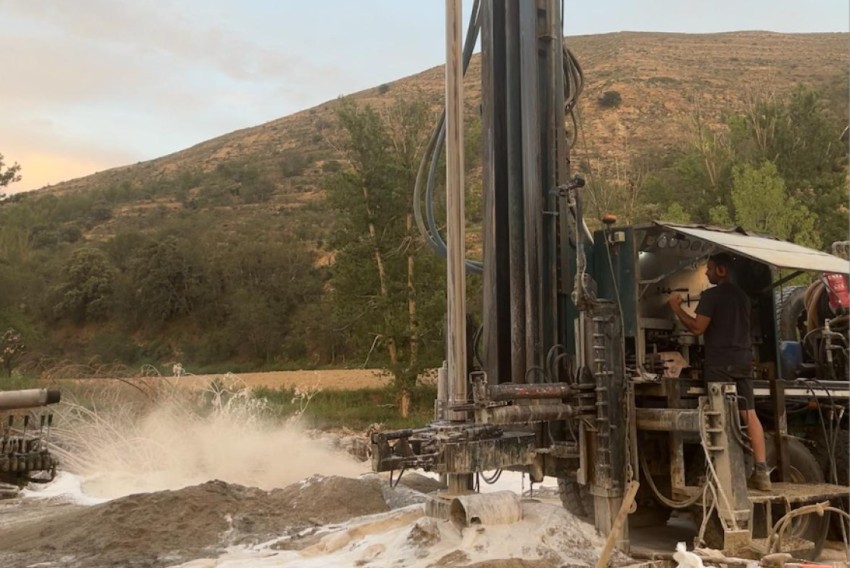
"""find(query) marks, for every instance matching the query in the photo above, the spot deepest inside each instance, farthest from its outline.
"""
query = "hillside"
(662, 79)
(216, 256)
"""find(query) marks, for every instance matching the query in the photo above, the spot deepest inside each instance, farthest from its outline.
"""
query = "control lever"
(688, 297)
(662, 290)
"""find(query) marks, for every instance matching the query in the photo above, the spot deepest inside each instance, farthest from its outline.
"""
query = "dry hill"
(662, 80)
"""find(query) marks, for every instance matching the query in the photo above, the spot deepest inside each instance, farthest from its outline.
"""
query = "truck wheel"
(842, 468)
(576, 499)
(791, 313)
(841, 454)
(804, 468)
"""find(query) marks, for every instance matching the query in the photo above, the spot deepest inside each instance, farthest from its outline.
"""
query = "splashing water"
(176, 442)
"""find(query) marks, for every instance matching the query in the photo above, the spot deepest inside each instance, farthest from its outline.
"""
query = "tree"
(11, 348)
(86, 293)
(761, 203)
(382, 275)
(802, 138)
(10, 175)
(166, 281)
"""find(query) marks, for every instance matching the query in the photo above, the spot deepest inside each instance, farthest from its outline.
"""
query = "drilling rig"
(584, 374)
(24, 453)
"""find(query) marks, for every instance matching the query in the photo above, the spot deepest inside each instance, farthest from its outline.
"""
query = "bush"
(293, 163)
(610, 99)
(331, 166)
(383, 89)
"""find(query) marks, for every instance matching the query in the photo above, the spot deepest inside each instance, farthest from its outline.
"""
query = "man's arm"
(696, 325)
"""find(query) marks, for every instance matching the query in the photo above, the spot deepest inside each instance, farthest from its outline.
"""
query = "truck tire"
(842, 468)
(576, 499)
(791, 313)
(841, 454)
(804, 469)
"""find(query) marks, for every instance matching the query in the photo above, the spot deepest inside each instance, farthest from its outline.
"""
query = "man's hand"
(675, 301)
(696, 325)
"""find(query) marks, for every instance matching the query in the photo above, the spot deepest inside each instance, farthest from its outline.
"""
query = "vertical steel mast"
(525, 161)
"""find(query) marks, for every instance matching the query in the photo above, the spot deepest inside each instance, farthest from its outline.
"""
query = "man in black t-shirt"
(723, 316)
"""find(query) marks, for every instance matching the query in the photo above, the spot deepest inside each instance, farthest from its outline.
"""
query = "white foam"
(65, 485)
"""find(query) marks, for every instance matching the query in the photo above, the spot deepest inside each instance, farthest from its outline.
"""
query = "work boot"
(760, 478)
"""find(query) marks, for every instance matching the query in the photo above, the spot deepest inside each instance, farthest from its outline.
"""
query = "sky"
(86, 85)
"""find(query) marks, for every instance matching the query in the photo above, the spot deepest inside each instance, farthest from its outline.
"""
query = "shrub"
(610, 99)
(331, 166)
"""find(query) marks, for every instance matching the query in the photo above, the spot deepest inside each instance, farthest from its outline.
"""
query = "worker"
(723, 315)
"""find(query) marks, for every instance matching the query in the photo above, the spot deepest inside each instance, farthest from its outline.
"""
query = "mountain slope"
(662, 80)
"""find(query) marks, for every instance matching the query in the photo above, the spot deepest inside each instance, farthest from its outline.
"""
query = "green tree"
(166, 280)
(761, 203)
(383, 277)
(802, 138)
(11, 349)
(87, 290)
(9, 174)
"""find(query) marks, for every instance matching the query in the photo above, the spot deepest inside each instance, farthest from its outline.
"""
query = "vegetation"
(9, 174)
(245, 266)
(356, 409)
(610, 99)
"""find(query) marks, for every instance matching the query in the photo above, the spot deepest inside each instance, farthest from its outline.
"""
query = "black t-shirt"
(727, 338)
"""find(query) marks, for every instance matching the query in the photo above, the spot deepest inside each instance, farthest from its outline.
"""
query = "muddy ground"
(169, 528)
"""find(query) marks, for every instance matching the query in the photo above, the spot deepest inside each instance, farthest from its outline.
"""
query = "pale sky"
(87, 85)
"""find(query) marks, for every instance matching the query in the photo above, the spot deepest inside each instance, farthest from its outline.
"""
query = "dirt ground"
(330, 379)
(312, 522)
(169, 527)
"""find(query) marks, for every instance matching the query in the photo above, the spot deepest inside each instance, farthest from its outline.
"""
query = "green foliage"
(383, 277)
(802, 138)
(167, 280)
(676, 214)
(778, 168)
(11, 348)
(293, 163)
(356, 409)
(761, 203)
(9, 174)
(86, 292)
(331, 166)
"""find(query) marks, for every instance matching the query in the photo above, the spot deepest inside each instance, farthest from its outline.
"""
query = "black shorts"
(741, 375)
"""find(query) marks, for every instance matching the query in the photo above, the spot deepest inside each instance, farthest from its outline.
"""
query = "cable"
(666, 500)
(493, 478)
(536, 369)
(433, 150)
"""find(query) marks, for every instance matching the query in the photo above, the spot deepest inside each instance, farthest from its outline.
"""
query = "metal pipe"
(496, 244)
(521, 414)
(531, 186)
(516, 221)
(455, 237)
(28, 398)
(511, 391)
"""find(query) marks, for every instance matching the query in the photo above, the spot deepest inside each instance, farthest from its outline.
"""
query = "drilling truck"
(580, 371)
